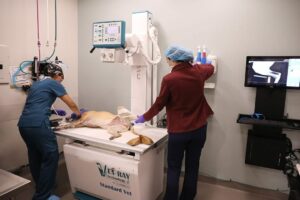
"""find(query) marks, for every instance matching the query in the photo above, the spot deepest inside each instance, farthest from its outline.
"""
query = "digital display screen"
(273, 71)
(112, 30)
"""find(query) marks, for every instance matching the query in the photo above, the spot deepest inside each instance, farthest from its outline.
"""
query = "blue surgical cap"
(177, 53)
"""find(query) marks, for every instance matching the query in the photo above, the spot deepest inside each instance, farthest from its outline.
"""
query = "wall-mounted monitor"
(273, 72)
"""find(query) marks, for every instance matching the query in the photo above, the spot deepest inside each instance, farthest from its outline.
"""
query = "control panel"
(109, 34)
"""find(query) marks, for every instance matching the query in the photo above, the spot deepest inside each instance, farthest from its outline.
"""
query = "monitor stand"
(271, 103)
(266, 145)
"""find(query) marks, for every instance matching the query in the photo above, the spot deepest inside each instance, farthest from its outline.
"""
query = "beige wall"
(18, 22)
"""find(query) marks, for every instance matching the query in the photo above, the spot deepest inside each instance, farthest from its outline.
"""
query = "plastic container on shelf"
(198, 58)
(203, 56)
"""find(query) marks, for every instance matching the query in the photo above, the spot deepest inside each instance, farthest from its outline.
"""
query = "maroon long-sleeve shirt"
(182, 92)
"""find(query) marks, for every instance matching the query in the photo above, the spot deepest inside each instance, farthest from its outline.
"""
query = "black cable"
(291, 159)
(92, 50)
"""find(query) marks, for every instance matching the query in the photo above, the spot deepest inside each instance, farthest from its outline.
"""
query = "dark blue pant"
(187, 144)
(43, 158)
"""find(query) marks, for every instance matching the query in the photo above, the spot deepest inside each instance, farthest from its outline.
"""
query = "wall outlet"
(4, 74)
(4, 61)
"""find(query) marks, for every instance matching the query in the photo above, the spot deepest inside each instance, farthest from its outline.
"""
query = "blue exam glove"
(74, 116)
(140, 119)
(59, 112)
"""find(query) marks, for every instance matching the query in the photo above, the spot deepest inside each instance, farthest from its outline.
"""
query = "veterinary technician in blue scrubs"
(182, 93)
(34, 126)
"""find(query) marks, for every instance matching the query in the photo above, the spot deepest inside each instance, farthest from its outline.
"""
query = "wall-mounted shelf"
(211, 82)
(283, 123)
(209, 85)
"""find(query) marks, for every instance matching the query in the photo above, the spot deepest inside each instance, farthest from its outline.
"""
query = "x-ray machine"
(112, 169)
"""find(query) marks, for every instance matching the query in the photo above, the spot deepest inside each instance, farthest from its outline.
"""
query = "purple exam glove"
(53, 197)
(140, 119)
(75, 117)
(60, 112)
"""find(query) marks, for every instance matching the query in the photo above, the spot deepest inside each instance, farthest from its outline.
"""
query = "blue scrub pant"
(187, 144)
(43, 158)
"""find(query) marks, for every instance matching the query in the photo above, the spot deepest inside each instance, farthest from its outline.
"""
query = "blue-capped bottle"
(198, 58)
(203, 56)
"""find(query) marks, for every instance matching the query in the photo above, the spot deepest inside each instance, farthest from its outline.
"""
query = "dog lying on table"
(114, 124)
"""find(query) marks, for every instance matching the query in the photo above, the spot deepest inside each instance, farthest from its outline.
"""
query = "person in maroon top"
(182, 93)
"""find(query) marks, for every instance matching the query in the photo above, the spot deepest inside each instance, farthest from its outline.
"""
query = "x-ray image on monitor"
(281, 72)
(294, 73)
(269, 72)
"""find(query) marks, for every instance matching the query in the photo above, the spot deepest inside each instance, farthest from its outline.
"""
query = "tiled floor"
(208, 189)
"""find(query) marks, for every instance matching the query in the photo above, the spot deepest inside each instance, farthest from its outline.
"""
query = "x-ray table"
(112, 169)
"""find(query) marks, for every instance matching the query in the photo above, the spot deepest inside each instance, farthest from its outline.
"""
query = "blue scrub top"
(41, 96)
